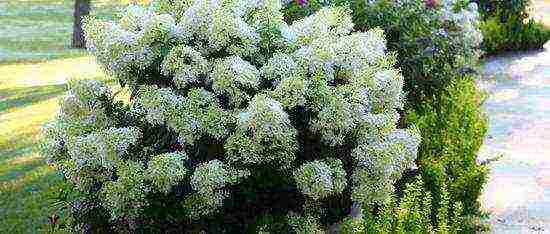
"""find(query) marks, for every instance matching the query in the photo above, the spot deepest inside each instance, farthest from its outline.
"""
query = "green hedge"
(507, 27)
(453, 127)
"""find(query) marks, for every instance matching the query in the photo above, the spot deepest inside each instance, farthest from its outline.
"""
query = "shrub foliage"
(411, 214)
(435, 40)
(438, 46)
(508, 27)
(231, 111)
(453, 130)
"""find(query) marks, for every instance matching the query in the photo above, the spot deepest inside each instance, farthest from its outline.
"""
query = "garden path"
(518, 191)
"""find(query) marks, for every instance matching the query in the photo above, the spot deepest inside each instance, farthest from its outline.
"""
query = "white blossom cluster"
(326, 23)
(193, 116)
(232, 77)
(101, 150)
(321, 179)
(264, 135)
(83, 142)
(81, 110)
(185, 64)
(125, 197)
(167, 170)
(380, 163)
(231, 72)
(465, 27)
(209, 180)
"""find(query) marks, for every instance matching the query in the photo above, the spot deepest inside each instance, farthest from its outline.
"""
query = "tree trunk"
(81, 9)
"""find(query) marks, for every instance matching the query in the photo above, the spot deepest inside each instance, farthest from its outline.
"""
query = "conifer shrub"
(234, 118)
(453, 129)
(411, 213)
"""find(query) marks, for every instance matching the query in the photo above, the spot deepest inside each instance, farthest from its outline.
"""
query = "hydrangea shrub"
(223, 94)
(435, 39)
(438, 42)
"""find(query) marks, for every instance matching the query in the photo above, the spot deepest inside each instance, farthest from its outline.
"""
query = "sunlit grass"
(24, 202)
(40, 30)
(35, 63)
(29, 96)
(25, 74)
(26, 181)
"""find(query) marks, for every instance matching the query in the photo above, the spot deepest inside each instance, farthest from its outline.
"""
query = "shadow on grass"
(34, 57)
(24, 96)
(27, 201)
(20, 166)
(18, 145)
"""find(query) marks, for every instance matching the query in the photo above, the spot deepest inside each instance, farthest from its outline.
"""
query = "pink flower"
(176, 146)
(431, 3)
(301, 2)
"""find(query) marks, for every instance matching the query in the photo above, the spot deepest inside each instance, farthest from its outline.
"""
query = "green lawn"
(35, 62)
(38, 30)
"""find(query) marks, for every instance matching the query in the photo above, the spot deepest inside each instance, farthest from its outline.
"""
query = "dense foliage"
(508, 27)
(453, 130)
(438, 46)
(434, 40)
(233, 114)
(411, 214)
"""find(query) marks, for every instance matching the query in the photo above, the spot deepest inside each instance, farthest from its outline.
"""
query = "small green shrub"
(411, 213)
(507, 27)
(496, 37)
(234, 117)
(453, 128)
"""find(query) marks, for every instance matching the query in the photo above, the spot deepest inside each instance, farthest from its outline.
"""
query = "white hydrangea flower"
(321, 179)
(91, 152)
(381, 163)
(135, 17)
(125, 197)
(291, 92)
(197, 205)
(157, 29)
(314, 179)
(264, 135)
(279, 67)
(185, 64)
(334, 121)
(120, 139)
(212, 176)
(326, 23)
(209, 177)
(157, 103)
(233, 76)
(167, 170)
(101, 150)
(386, 92)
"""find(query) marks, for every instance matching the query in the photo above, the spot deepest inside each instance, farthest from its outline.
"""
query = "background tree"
(81, 9)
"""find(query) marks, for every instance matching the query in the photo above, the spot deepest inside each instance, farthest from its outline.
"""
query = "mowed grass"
(29, 96)
(35, 63)
(38, 30)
